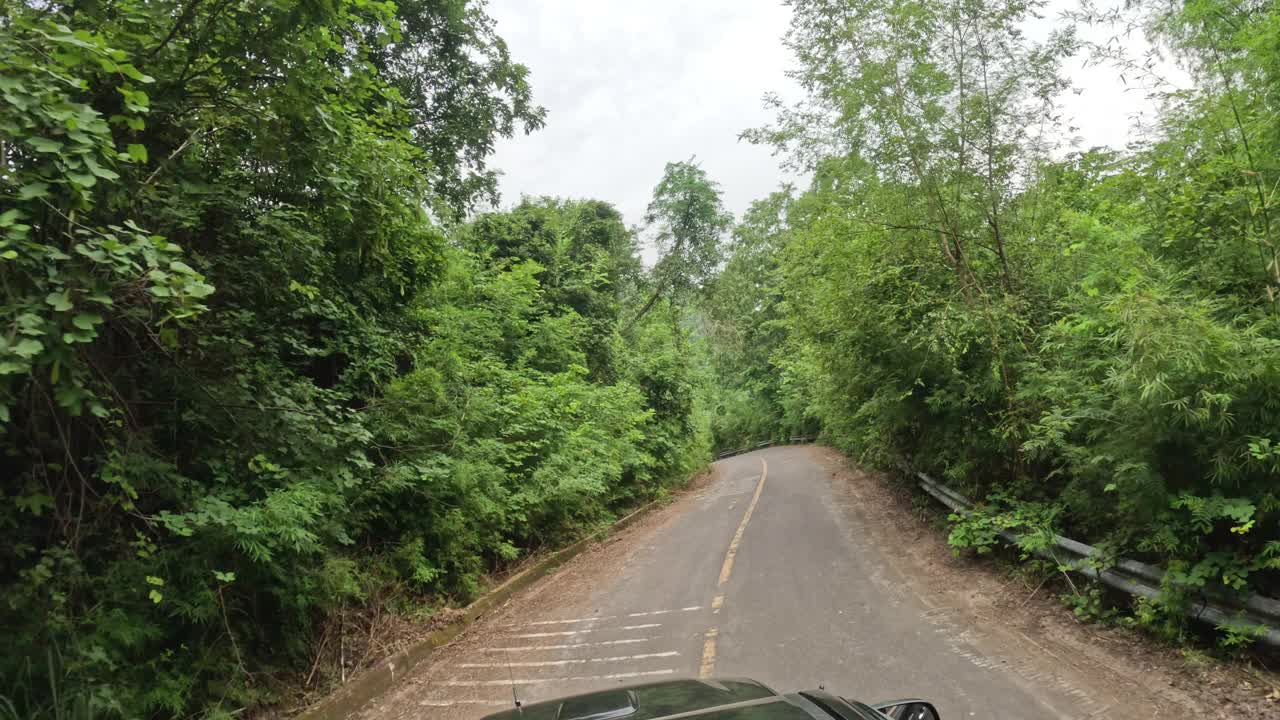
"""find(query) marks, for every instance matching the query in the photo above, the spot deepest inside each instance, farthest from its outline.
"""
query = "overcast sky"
(632, 85)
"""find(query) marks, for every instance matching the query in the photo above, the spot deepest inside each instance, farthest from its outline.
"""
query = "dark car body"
(721, 699)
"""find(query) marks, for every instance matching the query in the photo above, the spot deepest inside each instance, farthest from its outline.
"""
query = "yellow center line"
(708, 667)
(727, 568)
(708, 653)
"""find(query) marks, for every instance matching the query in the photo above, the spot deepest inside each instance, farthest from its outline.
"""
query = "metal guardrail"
(794, 440)
(1137, 578)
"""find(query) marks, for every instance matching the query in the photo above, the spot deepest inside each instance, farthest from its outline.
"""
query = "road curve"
(776, 571)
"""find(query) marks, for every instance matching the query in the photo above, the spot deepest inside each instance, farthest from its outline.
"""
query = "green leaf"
(156, 596)
(197, 289)
(30, 324)
(8, 217)
(135, 100)
(44, 145)
(133, 73)
(33, 190)
(87, 321)
(35, 504)
(98, 170)
(61, 301)
(153, 580)
(86, 180)
(138, 152)
(28, 347)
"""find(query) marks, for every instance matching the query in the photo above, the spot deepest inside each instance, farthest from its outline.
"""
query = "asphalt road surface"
(776, 570)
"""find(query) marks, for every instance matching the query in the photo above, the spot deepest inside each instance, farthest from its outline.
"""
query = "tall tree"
(462, 89)
(948, 103)
(689, 220)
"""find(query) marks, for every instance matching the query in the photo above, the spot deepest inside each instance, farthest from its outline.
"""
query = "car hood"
(641, 702)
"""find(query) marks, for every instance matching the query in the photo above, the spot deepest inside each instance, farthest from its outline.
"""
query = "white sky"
(632, 85)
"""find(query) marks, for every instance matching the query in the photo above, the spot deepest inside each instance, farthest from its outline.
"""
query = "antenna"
(515, 697)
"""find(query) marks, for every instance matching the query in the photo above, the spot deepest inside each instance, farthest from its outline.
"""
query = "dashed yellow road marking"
(727, 568)
(708, 667)
(708, 653)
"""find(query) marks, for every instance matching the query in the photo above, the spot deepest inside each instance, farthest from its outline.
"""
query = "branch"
(185, 144)
(183, 19)
(657, 293)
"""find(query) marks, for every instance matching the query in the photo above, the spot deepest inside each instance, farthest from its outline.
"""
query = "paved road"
(771, 571)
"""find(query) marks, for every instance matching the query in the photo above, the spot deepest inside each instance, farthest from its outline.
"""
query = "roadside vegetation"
(1089, 340)
(267, 362)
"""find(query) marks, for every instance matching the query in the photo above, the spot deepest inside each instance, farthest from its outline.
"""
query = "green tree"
(462, 90)
(688, 218)
(588, 258)
(745, 322)
(948, 104)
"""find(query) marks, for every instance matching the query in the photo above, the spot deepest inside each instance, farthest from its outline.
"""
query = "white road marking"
(570, 621)
(451, 703)
(573, 661)
(664, 612)
(566, 622)
(570, 633)
(569, 646)
(535, 681)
